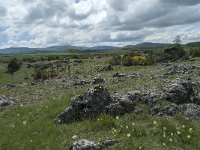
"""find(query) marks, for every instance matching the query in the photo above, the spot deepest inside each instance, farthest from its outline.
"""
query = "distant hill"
(193, 44)
(26, 50)
(145, 45)
(150, 44)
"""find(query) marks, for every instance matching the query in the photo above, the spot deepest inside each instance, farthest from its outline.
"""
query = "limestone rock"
(94, 102)
(179, 92)
(91, 145)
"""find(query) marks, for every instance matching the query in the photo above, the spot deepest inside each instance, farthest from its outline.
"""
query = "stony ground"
(165, 112)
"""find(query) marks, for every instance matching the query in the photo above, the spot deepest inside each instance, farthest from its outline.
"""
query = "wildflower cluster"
(182, 134)
(130, 129)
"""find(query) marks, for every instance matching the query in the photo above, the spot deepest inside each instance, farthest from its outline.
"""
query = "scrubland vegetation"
(42, 87)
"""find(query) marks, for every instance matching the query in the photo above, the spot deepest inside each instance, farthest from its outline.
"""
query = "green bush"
(195, 52)
(116, 60)
(127, 61)
(13, 66)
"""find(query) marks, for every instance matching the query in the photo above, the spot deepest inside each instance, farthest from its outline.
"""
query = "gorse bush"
(138, 60)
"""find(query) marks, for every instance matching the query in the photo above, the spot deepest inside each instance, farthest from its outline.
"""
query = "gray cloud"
(2, 11)
(97, 22)
(180, 2)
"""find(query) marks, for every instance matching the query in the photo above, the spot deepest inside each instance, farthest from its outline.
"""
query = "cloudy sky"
(42, 23)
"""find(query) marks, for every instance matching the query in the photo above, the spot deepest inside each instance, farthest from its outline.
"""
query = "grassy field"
(29, 123)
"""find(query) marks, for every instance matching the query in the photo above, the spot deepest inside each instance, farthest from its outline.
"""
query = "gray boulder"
(84, 145)
(91, 145)
(179, 92)
(6, 101)
(196, 99)
(148, 98)
(169, 110)
(191, 111)
(93, 103)
(81, 82)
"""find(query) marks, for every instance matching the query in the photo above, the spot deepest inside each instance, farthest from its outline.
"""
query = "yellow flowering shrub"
(138, 60)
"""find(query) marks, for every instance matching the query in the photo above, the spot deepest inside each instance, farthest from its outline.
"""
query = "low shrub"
(115, 60)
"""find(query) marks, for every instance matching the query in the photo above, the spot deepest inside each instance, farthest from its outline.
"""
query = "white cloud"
(41, 23)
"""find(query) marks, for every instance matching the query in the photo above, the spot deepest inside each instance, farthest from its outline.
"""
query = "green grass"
(31, 126)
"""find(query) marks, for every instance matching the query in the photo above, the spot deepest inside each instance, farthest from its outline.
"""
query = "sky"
(43, 23)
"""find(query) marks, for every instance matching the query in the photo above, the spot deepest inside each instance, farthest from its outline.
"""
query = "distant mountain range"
(26, 50)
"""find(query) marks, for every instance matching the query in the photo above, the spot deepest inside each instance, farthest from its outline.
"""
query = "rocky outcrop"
(190, 110)
(98, 81)
(148, 98)
(81, 82)
(179, 92)
(94, 102)
(100, 68)
(169, 110)
(6, 101)
(91, 145)
(183, 69)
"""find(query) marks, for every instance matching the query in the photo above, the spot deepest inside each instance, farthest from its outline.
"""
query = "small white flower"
(164, 144)
(133, 124)
(164, 135)
(24, 122)
(154, 122)
(190, 129)
(117, 117)
(170, 140)
(178, 132)
(188, 136)
(129, 135)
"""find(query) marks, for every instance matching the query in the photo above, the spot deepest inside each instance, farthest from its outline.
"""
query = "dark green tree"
(13, 66)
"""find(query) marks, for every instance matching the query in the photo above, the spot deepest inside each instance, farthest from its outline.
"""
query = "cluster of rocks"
(190, 110)
(149, 98)
(183, 69)
(186, 100)
(94, 102)
(132, 76)
(181, 91)
(100, 68)
(82, 82)
(91, 145)
(135, 75)
(6, 101)
(119, 75)
(98, 100)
